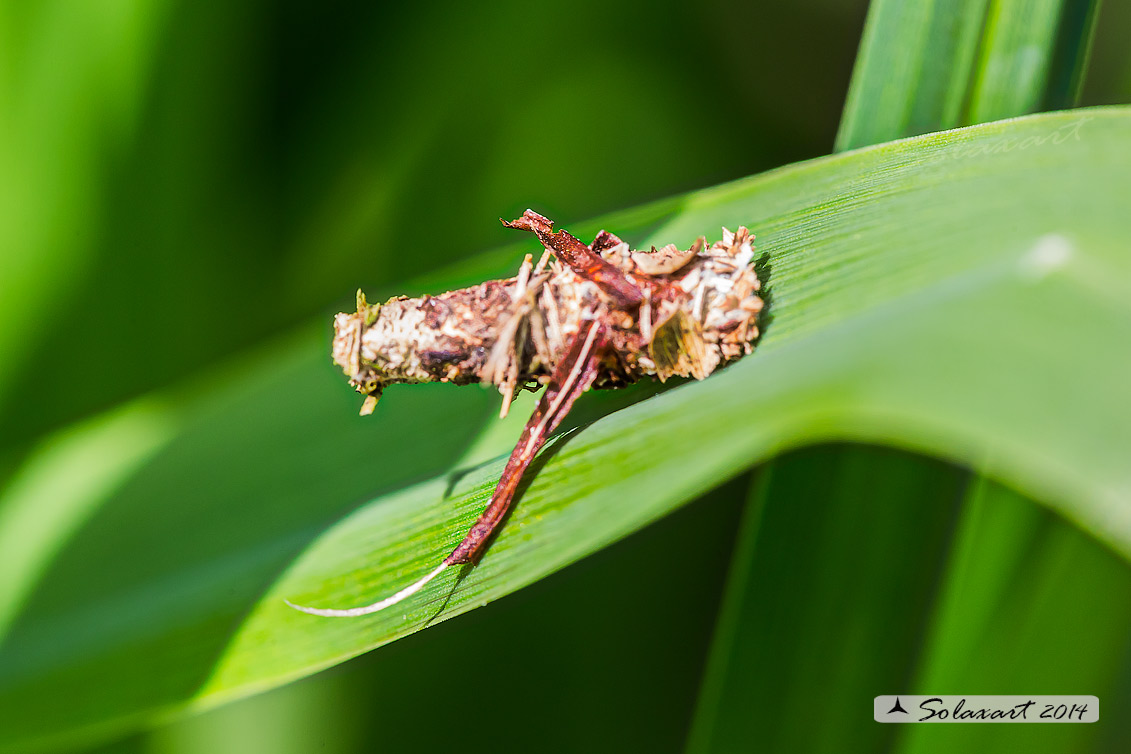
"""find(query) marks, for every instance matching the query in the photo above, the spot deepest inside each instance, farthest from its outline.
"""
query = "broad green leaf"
(1032, 57)
(1026, 602)
(942, 294)
(831, 583)
(927, 66)
(895, 584)
(643, 638)
(61, 484)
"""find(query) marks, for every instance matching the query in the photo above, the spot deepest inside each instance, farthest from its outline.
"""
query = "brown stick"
(572, 377)
(581, 259)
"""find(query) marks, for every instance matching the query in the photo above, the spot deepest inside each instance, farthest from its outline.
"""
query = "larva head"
(346, 350)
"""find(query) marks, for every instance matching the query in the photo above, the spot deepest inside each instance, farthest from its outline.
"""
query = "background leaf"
(185, 180)
(825, 599)
(929, 66)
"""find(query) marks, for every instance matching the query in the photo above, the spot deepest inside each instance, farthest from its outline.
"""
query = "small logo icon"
(898, 707)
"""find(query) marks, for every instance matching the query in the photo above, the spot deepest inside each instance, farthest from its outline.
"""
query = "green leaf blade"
(929, 66)
(916, 303)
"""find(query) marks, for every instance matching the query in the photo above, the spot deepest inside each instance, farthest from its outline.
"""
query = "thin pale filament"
(351, 612)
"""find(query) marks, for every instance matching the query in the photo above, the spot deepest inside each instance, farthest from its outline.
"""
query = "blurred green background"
(187, 179)
(183, 181)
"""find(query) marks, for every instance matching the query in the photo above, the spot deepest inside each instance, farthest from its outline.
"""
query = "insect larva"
(597, 315)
